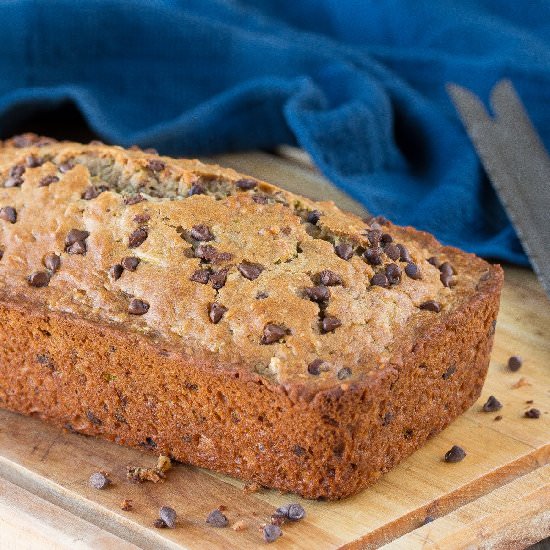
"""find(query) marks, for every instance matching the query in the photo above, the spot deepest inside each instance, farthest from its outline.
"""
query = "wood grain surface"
(497, 497)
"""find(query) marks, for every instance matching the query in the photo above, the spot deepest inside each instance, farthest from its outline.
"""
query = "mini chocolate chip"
(392, 252)
(428, 519)
(313, 217)
(431, 305)
(218, 278)
(455, 454)
(412, 271)
(13, 182)
(318, 293)
(159, 523)
(344, 251)
(329, 278)
(216, 312)
(514, 363)
(250, 270)
(34, 162)
(90, 193)
(393, 273)
(379, 279)
(217, 519)
(449, 372)
(76, 248)
(344, 373)
(434, 261)
(446, 279)
(75, 235)
(142, 218)
(115, 272)
(446, 267)
(298, 450)
(223, 257)
(156, 165)
(206, 252)
(66, 166)
(200, 276)
(293, 512)
(134, 199)
(245, 184)
(196, 189)
(17, 171)
(262, 295)
(404, 253)
(532, 413)
(271, 532)
(93, 418)
(138, 307)
(46, 180)
(317, 366)
(330, 323)
(168, 515)
(52, 262)
(138, 237)
(388, 417)
(373, 256)
(8, 213)
(273, 333)
(1, 253)
(99, 480)
(130, 263)
(386, 239)
(492, 405)
(201, 233)
(39, 279)
(260, 199)
(374, 236)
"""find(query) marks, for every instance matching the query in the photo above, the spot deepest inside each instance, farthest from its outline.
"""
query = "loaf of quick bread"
(188, 309)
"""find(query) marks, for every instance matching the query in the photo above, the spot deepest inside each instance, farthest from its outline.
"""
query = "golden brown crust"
(209, 383)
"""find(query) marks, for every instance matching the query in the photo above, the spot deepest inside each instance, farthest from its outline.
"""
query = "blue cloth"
(359, 84)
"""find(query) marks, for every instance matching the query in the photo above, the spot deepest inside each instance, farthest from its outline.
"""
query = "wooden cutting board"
(498, 497)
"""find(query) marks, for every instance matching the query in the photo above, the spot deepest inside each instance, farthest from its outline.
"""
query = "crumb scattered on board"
(138, 474)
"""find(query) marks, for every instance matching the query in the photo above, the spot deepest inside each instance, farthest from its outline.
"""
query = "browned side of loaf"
(103, 381)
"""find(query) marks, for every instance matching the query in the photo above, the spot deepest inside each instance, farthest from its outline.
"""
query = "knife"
(517, 164)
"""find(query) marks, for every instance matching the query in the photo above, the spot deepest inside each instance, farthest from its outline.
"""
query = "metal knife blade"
(517, 164)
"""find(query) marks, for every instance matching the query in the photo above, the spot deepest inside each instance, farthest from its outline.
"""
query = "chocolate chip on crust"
(66, 166)
(138, 237)
(386, 239)
(514, 363)
(115, 272)
(373, 256)
(404, 253)
(313, 217)
(138, 307)
(217, 519)
(379, 279)
(201, 232)
(344, 251)
(52, 262)
(329, 278)
(17, 171)
(374, 236)
(196, 189)
(392, 252)
(76, 237)
(393, 274)
(344, 373)
(39, 279)
(144, 217)
(317, 366)
(8, 214)
(249, 270)
(434, 261)
(319, 293)
(412, 271)
(492, 404)
(91, 192)
(218, 278)
(330, 323)
(532, 413)
(200, 276)
(431, 305)
(156, 165)
(47, 180)
(455, 454)
(273, 333)
(216, 312)
(34, 162)
(133, 199)
(130, 263)
(246, 184)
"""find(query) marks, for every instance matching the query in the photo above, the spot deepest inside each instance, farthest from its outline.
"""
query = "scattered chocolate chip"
(330, 323)
(317, 366)
(532, 413)
(39, 279)
(273, 333)
(385, 239)
(262, 295)
(434, 261)
(216, 312)
(115, 272)
(271, 532)
(138, 237)
(218, 278)
(388, 417)
(206, 252)
(201, 233)
(133, 199)
(34, 162)
(159, 524)
(293, 512)
(66, 166)
(455, 454)
(52, 262)
(156, 165)
(168, 515)
(514, 363)
(144, 217)
(200, 276)
(329, 278)
(90, 193)
(298, 450)
(217, 519)
(196, 189)
(344, 251)
(431, 305)
(373, 256)
(8, 213)
(449, 372)
(446, 267)
(404, 253)
(393, 274)
(130, 263)
(75, 241)
(313, 217)
(245, 184)
(46, 180)
(447, 279)
(126, 505)
(138, 307)
(319, 293)
(492, 405)
(412, 271)
(13, 182)
(392, 252)
(17, 171)
(223, 257)
(344, 373)
(250, 271)
(428, 519)
(379, 279)
(99, 480)
(260, 199)
(78, 247)
(374, 236)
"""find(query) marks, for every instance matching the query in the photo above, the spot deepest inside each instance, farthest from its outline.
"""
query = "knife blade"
(517, 164)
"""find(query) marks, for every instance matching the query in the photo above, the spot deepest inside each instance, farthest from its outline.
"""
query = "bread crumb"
(251, 488)
(126, 505)
(239, 525)
(520, 383)
(137, 474)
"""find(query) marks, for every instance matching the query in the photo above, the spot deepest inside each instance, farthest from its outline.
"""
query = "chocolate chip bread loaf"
(191, 310)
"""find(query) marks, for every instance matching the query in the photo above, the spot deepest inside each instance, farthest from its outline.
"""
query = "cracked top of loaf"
(226, 268)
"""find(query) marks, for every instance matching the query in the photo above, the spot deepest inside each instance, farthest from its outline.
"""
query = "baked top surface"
(204, 235)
